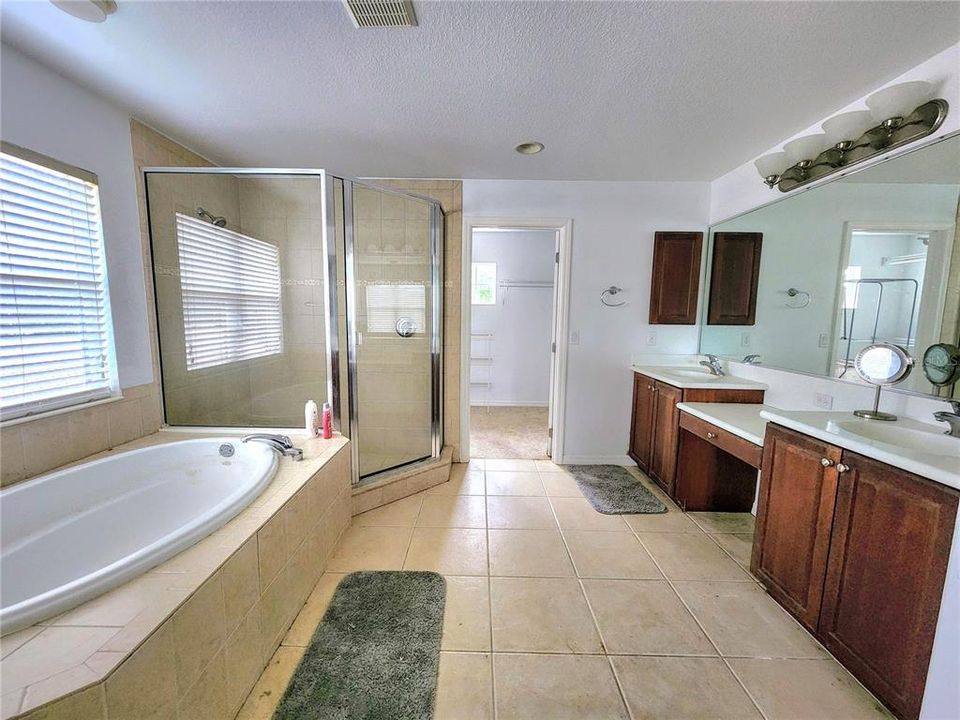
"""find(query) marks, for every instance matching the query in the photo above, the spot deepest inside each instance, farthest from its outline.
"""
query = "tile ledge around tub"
(204, 559)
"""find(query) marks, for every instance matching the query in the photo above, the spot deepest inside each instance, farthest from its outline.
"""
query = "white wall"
(520, 321)
(742, 189)
(612, 244)
(44, 112)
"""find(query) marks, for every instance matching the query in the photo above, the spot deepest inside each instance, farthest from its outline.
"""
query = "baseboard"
(597, 460)
(510, 403)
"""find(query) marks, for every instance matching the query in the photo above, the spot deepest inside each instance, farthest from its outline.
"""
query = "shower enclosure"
(275, 287)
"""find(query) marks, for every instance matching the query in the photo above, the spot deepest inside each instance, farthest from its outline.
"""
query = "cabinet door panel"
(794, 520)
(642, 421)
(675, 284)
(885, 577)
(734, 278)
(666, 436)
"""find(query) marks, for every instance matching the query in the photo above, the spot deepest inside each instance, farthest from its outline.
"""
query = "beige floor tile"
(559, 484)
(520, 513)
(461, 483)
(739, 546)
(370, 548)
(451, 551)
(504, 482)
(463, 511)
(610, 555)
(510, 464)
(464, 687)
(689, 688)
(644, 617)
(541, 615)
(529, 553)
(466, 615)
(668, 522)
(548, 466)
(306, 622)
(558, 687)
(578, 514)
(744, 621)
(806, 690)
(267, 693)
(685, 556)
(400, 513)
(724, 522)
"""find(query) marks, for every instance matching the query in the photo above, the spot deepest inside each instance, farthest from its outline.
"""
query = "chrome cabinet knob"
(711, 436)
(841, 468)
(826, 462)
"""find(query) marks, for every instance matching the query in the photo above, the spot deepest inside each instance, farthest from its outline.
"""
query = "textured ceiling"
(616, 91)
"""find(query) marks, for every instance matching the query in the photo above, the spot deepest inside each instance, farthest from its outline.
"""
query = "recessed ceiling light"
(89, 10)
(529, 148)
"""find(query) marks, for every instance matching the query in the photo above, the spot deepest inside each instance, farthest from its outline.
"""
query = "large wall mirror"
(873, 256)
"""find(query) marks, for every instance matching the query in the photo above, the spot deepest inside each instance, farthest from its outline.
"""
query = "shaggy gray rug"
(613, 491)
(376, 653)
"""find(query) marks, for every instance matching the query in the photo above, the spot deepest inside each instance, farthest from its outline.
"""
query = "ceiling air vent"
(381, 13)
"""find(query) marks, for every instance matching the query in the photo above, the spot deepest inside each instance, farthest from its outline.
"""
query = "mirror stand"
(876, 413)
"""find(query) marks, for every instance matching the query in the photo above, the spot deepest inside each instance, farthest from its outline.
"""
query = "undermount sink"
(691, 373)
(896, 435)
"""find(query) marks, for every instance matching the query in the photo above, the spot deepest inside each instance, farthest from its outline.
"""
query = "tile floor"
(556, 611)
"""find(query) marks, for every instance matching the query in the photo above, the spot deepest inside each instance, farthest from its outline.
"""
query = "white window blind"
(230, 287)
(56, 336)
(387, 303)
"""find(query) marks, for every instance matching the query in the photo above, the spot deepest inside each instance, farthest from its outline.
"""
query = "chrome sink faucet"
(713, 362)
(752, 360)
(281, 443)
(951, 418)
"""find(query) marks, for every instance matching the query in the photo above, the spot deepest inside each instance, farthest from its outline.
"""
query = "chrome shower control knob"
(826, 462)
(406, 327)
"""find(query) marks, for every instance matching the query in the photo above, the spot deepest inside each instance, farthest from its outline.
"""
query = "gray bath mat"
(376, 653)
(613, 491)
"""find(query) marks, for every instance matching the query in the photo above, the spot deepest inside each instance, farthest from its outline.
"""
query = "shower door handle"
(406, 327)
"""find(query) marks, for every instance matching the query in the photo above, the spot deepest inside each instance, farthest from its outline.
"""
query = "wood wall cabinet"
(655, 423)
(858, 551)
(675, 284)
(734, 278)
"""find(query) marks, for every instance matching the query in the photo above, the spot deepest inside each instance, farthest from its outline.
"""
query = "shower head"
(217, 220)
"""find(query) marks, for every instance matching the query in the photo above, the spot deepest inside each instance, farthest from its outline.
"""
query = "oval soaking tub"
(76, 533)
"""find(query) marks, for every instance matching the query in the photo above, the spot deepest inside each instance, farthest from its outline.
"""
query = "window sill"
(60, 411)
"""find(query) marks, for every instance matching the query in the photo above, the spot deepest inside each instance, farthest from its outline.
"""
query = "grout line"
(493, 676)
(406, 552)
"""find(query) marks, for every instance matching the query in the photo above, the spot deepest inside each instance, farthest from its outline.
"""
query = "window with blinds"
(56, 336)
(387, 303)
(230, 288)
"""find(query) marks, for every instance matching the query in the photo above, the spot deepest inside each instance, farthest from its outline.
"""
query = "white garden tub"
(76, 533)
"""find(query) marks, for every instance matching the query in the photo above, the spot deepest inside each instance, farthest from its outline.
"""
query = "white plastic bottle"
(311, 419)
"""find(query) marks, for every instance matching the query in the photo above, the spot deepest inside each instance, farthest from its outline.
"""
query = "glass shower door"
(393, 312)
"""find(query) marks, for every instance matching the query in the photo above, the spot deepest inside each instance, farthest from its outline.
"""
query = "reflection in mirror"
(872, 257)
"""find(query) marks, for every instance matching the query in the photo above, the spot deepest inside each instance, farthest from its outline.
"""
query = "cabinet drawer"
(726, 441)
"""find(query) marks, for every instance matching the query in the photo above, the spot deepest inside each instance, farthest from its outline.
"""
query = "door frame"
(560, 331)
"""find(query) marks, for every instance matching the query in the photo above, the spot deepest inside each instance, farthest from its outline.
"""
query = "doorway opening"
(515, 284)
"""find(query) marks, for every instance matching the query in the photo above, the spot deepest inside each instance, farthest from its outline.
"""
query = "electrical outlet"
(824, 340)
(651, 338)
(823, 400)
(745, 339)
(574, 337)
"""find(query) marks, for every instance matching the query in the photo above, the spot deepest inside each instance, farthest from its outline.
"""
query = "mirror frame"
(827, 180)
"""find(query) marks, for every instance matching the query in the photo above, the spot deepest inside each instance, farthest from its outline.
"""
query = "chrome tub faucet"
(281, 443)
(713, 362)
(951, 418)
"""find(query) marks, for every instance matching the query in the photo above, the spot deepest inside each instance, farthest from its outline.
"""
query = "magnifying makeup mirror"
(941, 364)
(881, 364)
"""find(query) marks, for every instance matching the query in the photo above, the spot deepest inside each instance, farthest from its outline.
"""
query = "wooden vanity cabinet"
(675, 282)
(857, 550)
(734, 278)
(655, 423)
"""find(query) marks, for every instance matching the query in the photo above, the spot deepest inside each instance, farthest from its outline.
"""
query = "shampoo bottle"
(311, 419)
(327, 422)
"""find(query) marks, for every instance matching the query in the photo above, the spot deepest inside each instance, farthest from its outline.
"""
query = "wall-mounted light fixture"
(897, 115)
(90, 10)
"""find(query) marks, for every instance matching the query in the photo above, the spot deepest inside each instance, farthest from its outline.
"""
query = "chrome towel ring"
(612, 290)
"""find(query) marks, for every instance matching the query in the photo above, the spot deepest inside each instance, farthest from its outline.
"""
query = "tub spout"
(281, 443)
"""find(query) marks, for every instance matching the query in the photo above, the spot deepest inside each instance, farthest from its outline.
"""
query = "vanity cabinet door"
(798, 490)
(642, 420)
(675, 283)
(885, 576)
(734, 278)
(663, 461)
